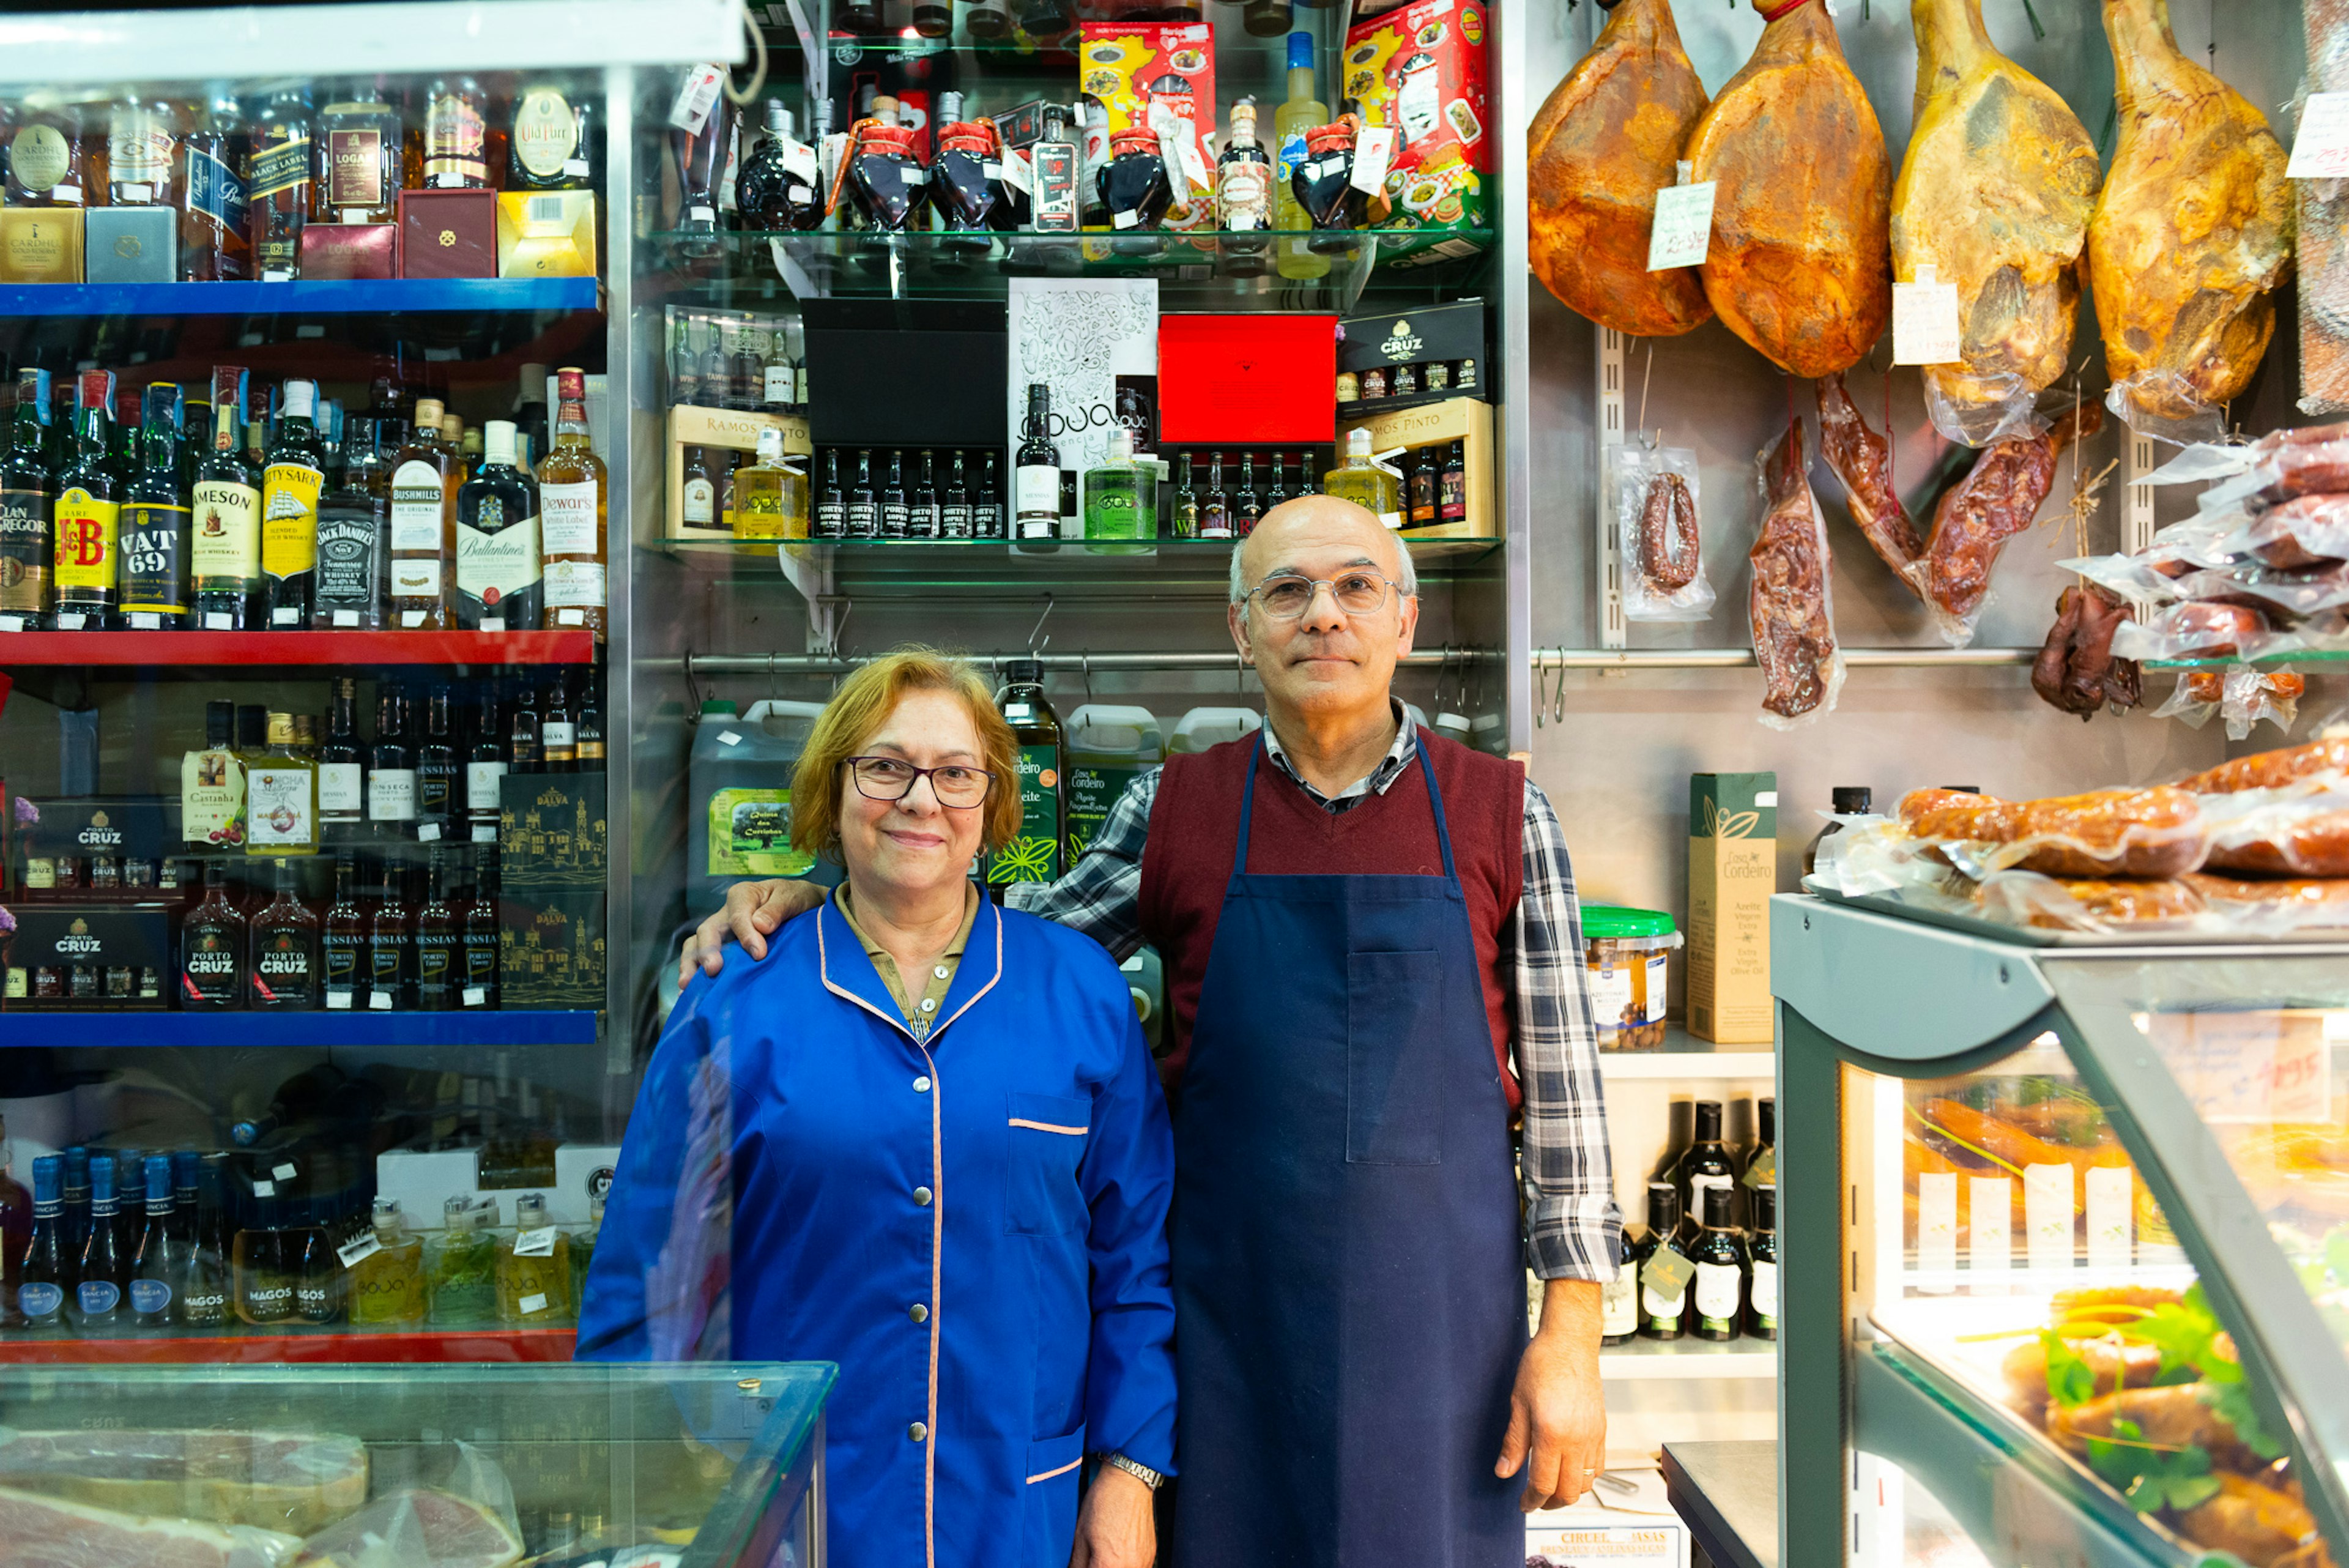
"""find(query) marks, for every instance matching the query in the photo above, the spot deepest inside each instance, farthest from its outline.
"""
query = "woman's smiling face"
(914, 845)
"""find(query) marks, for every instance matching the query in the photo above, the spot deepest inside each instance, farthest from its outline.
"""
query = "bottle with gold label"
(551, 140)
(154, 528)
(142, 150)
(771, 501)
(281, 797)
(358, 153)
(424, 479)
(88, 513)
(224, 554)
(280, 166)
(572, 492)
(290, 483)
(48, 159)
(456, 150)
(28, 495)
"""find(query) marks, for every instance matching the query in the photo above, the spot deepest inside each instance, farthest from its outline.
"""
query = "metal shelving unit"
(369, 296)
(318, 1031)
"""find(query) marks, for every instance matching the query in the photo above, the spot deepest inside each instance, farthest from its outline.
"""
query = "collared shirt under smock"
(923, 1010)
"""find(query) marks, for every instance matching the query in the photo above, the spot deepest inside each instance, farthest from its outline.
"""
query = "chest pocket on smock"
(1047, 1139)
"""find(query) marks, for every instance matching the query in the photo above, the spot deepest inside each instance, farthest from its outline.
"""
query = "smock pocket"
(1055, 1465)
(1394, 1059)
(1046, 1140)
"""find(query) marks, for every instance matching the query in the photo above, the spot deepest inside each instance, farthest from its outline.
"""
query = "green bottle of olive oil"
(1036, 855)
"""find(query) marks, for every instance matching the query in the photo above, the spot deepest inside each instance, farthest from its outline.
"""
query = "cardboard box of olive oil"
(1733, 872)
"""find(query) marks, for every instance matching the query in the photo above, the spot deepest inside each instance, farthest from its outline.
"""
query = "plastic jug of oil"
(1103, 746)
(1202, 727)
(738, 818)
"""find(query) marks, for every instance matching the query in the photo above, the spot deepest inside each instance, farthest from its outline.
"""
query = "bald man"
(1373, 968)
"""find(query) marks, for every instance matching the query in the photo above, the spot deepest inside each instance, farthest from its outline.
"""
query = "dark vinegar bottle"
(43, 1273)
(1705, 1164)
(1665, 1269)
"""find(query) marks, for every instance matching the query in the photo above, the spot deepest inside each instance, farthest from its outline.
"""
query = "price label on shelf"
(2320, 150)
(1682, 234)
(1925, 321)
(353, 1252)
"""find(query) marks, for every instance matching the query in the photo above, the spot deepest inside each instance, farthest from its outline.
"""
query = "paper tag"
(284, 1171)
(730, 739)
(476, 996)
(828, 153)
(1392, 519)
(1925, 321)
(427, 832)
(146, 620)
(1015, 173)
(1990, 1248)
(2047, 1210)
(1194, 164)
(13, 623)
(798, 161)
(1373, 151)
(378, 1001)
(1125, 220)
(1666, 1273)
(1764, 1171)
(695, 99)
(337, 1001)
(364, 1247)
(532, 1306)
(265, 1190)
(219, 621)
(537, 1243)
(346, 617)
(2320, 150)
(2111, 1216)
(1682, 231)
(1937, 1227)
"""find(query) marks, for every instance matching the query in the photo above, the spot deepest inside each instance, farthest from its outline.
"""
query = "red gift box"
(349, 250)
(448, 234)
(1246, 380)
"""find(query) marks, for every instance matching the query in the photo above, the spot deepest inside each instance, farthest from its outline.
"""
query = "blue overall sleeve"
(1128, 1176)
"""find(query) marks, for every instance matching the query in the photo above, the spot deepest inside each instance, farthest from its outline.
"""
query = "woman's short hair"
(859, 708)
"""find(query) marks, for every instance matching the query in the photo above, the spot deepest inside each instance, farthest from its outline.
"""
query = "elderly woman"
(933, 1133)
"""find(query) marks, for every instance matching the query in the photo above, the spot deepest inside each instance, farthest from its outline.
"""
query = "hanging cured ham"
(2323, 237)
(1606, 139)
(2193, 231)
(1801, 264)
(1995, 195)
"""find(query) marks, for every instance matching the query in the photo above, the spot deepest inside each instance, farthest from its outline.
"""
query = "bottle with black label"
(523, 754)
(212, 951)
(437, 773)
(479, 937)
(953, 501)
(861, 517)
(28, 510)
(485, 769)
(154, 522)
(391, 775)
(291, 483)
(1216, 512)
(1720, 1262)
(830, 520)
(439, 973)
(558, 733)
(279, 167)
(1665, 1271)
(896, 514)
(391, 947)
(342, 767)
(500, 575)
(590, 723)
(355, 537)
(285, 949)
(986, 516)
(345, 945)
(922, 520)
(1037, 470)
(224, 553)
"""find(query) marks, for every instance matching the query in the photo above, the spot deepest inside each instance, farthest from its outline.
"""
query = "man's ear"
(1236, 617)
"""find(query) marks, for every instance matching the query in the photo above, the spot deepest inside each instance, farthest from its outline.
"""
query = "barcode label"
(543, 210)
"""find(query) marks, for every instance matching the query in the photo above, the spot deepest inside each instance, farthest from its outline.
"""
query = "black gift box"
(111, 956)
(1454, 336)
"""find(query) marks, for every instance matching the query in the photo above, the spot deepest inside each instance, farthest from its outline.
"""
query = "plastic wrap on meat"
(2312, 900)
(2153, 832)
(1956, 814)
(2076, 669)
(2272, 770)
(1668, 542)
(2298, 839)
(2307, 530)
(1997, 500)
(2123, 902)
(1789, 605)
(2295, 469)
(35, 1529)
(2195, 631)
(292, 1481)
(1862, 462)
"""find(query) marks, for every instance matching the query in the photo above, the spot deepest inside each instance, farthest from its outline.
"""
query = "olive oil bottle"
(1664, 1269)
(1035, 854)
(1720, 1260)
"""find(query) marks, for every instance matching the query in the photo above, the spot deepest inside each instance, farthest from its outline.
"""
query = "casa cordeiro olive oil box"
(1733, 872)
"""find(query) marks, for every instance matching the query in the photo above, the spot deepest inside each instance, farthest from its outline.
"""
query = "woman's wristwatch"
(1139, 1471)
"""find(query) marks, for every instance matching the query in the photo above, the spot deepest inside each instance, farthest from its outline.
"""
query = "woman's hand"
(752, 910)
(1557, 1409)
(1115, 1528)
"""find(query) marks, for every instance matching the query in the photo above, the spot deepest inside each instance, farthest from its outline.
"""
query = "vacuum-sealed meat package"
(1790, 607)
(2153, 832)
(2311, 531)
(2320, 764)
(1656, 493)
(2261, 832)
(2076, 670)
(1862, 461)
(1999, 498)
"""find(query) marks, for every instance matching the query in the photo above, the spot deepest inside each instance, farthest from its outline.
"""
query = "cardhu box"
(343, 251)
(1421, 68)
(40, 245)
(448, 234)
(1246, 379)
(1733, 872)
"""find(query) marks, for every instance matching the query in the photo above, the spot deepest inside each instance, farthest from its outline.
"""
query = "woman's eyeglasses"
(892, 778)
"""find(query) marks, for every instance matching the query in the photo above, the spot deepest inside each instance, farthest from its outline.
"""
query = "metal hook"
(1541, 690)
(1035, 648)
(1087, 656)
(774, 688)
(1558, 715)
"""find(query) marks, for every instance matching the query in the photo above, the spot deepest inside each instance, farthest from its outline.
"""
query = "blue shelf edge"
(332, 296)
(62, 1028)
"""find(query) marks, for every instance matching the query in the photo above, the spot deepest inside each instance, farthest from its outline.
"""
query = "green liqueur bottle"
(1121, 501)
(1035, 854)
(1720, 1262)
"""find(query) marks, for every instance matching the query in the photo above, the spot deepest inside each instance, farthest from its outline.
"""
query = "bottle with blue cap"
(105, 1261)
(160, 1261)
(46, 1270)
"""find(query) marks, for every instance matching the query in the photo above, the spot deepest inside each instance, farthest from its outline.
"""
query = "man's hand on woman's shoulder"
(753, 911)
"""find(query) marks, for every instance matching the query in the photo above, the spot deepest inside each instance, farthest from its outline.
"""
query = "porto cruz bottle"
(159, 1263)
(830, 520)
(211, 951)
(88, 513)
(861, 514)
(953, 501)
(104, 1274)
(44, 1273)
(224, 553)
(988, 519)
(285, 950)
(290, 485)
(499, 571)
(154, 522)
(28, 510)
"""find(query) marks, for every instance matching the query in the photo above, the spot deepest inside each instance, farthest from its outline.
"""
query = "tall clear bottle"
(291, 483)
(103, 1277)
(1301, 112)
(573, 499)
(205, 1283)
(500, 576)
(44, 1271)
(282, 796)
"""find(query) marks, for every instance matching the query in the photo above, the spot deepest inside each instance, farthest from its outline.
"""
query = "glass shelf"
(90, 1026)
(1192, 268)
(2309, 656)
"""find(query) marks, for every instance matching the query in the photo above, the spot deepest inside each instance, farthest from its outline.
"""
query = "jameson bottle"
(158, 1264)
(1720, 1269)
(154, 522)
(285, 951)
(44, 1275)
(290, 484)
(28, 510)
(1665, 1269)
(1035, 854)
(225, 556)
(105, 1270)
(88, 513)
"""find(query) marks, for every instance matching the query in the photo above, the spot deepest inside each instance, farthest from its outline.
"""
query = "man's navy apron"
(1349, 1285)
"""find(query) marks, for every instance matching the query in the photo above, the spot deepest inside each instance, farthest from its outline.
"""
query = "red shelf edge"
(295, 648)
(350, 1347)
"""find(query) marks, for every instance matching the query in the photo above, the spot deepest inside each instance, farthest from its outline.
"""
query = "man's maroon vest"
(1186, 862)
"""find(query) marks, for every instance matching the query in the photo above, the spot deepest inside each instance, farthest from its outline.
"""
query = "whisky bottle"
(391, 947)
(282, 796)
(280, 184)
(344, 945)
(88, 513)
(355, 537)
(436, 773)
(455, 150)
(895, 515)
(551, 140)
(49, 159)
(286, 967)
(439, 957)
(953, 501)
(225, 556)
(213, 949)
(342, 770)
(290, 485)
(105, 1266)
(1216, 511)
(211, 785)
(391, 771)
(424, 483)
(479, 938)
(142, 146)
(154, 522)
(558, 735)
(1246, 507)
(1037, 470)
(361, 144)
(28, 510)
(44, 1272)
(485, 769)
(498, 574)
(1186, 499)
(573, 495)
(214, 246)
(861, 517)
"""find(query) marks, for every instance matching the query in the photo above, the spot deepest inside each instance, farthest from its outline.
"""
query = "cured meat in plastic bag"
(1790, 606)
(1862, 461)
(1656, 493)
(2320, 764)
(2307, 530)
(1998, 499)
(2158, 831)
(2280, 833)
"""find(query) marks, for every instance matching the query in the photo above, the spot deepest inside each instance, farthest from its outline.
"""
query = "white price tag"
(284, 1172)
(2111, 1228)
(1925, 321)
(730, 739)
(378, 1001)
(427, 832)
(355, 1252)
(532, 1306)
(798, 161)
(265, 1190)
(696, 96)
(476, 996)
(1125, 220)
(1373, 151)
(1990, 1245)
(1682, 233)
(1015, 173)
(339, 1000)
(16, 622)
(1936, 1229)
(219, 621)
(2047, 1209)
(146, 620)
(346, 617)
(537, 1243)
(2320, 150)
(1194, 164)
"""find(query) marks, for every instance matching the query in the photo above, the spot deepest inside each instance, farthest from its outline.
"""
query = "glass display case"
(632, 1467)
(2067, 1270)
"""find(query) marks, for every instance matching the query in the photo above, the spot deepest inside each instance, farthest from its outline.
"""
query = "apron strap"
(1247, 812)
(1434, 802)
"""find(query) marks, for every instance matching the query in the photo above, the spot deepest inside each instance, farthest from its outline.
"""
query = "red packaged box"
(1241, 379)
(1419, 67)
(1125, 66)
(350, 250)
(448, 234)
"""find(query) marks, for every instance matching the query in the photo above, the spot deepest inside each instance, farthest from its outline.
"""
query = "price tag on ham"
(1682, 233)
(2320, 150)
(1925, 321)
(1373, 151)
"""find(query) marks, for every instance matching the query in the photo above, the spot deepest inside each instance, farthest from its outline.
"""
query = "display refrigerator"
(2064, 1251)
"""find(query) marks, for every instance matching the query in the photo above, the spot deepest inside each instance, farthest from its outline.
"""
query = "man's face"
(1328, 661)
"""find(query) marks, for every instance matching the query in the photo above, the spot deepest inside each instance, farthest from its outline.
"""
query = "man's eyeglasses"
(1286, 595)
(892, 778)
